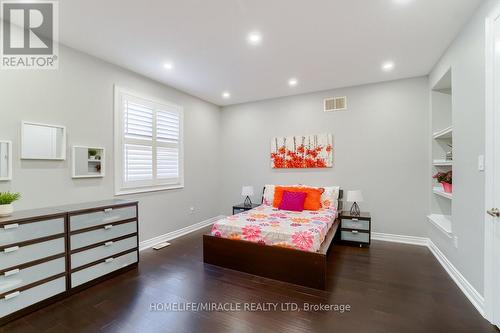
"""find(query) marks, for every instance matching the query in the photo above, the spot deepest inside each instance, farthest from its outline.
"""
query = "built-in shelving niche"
(442, 140)
(88, 162)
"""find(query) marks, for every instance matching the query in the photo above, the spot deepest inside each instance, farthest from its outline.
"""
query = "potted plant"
(445, 179)
(6, 200)
(92, 154)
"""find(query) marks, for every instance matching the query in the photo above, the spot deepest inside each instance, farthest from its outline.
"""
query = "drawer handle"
(12, 272)
(355, 220)
(107, 261)
(11, 249)
(107, 227)
(108, 210)
(354, 231)
(11, 226)
(109, 243)
(12, 295)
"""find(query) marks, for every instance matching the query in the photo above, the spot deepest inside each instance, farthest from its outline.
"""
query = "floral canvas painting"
(306, 151)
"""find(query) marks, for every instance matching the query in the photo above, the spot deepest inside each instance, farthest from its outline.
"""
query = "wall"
(380, 146)
(80, 96)
(466, 57)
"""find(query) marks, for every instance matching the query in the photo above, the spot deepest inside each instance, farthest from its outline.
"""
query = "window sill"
(148, 189)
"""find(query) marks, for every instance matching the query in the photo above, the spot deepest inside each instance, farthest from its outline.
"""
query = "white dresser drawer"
(100, 235)
(356, 224)
(361, 237)
(16, 233)
(18, 278)
(19, 300)
(16, 256)
(93, 272)
(110, 215)
(104, 251)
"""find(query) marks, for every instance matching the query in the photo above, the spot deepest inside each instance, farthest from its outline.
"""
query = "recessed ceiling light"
(168, 66)
(254, 38)
(226, 95)
(388, 66)
(293, 82)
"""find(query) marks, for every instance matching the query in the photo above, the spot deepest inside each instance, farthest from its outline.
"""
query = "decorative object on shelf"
(6, 200)
(355, 197)
(306, 151)
(88, 162)
(92, 154)
(5, 160)
(247, 191)
(446, 180)
(42, 141)
(449, 154)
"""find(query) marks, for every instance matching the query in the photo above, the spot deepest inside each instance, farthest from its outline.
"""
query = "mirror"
(43, 142)
(5, 160)
(88, 162)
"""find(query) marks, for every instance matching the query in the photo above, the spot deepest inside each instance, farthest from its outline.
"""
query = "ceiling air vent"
(335, 104)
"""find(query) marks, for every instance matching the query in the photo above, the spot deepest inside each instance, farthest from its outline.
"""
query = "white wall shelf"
(446, 133)
(439, 191)
(442, 222)
(85, 165)
(442, 163)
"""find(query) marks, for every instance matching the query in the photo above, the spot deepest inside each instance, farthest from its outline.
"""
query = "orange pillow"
(313, 198)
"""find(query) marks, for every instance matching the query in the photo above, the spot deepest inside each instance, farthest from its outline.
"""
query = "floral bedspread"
(270, 226)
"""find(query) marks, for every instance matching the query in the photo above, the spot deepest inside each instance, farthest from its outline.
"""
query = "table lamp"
(247, 191)
(355, 197)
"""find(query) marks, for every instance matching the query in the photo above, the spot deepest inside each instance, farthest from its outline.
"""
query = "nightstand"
(242, 208)
(355, 230)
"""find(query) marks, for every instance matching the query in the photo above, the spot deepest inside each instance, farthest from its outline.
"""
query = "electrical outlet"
(191, 210)
(480, 163)
(455, 241)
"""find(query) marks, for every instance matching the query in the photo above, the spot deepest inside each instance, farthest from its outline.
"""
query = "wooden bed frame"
(289, 265)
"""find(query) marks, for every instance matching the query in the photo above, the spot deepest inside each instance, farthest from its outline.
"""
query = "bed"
(281, 245)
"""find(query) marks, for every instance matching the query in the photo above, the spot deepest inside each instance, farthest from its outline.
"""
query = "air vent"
(335, 104)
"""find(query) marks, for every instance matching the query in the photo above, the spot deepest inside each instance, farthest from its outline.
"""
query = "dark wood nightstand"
(355, 230)
(242, 208)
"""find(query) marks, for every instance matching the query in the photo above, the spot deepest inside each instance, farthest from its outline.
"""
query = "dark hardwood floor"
(390, 288)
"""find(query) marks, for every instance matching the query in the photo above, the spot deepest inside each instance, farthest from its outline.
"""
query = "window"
(148, 144)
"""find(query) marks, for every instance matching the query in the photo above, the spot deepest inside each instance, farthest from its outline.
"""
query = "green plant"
(8, 198)
(92, 152)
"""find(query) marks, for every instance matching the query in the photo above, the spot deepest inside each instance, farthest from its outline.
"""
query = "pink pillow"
(293, 201)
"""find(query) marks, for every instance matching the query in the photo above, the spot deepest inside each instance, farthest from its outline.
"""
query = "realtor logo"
(29, 34)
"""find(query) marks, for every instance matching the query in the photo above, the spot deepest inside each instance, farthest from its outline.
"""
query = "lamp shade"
(247, 191)
(354, 196)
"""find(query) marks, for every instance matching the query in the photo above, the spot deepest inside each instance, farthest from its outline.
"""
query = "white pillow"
(268, 195)
(330, 197)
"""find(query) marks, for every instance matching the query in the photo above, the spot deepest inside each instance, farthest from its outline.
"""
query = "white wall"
(80, 96)
(466, 57)
(380, 146)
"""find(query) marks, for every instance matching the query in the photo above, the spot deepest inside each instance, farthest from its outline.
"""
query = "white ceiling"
(323, 43)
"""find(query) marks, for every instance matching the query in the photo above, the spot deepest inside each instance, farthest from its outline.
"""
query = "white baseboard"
(146, 244)
(469, 291)
(421, 241)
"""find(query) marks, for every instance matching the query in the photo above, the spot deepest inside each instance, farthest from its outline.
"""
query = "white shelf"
(94, 161)
(439, 191)
(442, 222)
(446, 133)
(442, 163)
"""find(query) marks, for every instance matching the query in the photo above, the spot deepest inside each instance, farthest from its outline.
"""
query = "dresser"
(47, 254)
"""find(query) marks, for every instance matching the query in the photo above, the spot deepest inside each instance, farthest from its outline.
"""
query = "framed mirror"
(5, 160)
(42, 141)
(88, 162)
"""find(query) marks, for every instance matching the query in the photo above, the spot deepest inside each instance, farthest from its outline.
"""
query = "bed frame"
(289, 265)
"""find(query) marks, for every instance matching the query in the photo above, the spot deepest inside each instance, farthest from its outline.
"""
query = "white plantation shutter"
(150, 134)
